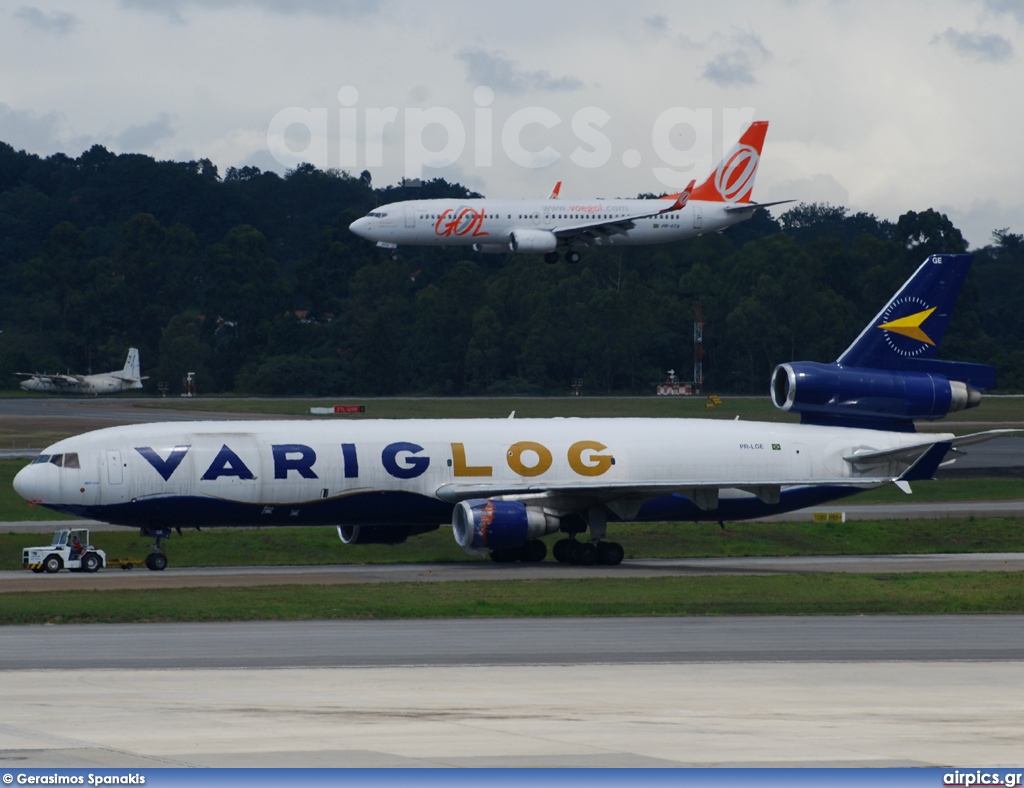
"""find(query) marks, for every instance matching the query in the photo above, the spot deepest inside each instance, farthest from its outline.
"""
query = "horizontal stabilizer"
(918, 453)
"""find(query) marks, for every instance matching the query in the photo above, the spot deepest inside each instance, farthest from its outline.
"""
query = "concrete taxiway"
(345, 574)
(859, 691)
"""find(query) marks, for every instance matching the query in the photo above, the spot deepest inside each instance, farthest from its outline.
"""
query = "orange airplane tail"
(733, 179)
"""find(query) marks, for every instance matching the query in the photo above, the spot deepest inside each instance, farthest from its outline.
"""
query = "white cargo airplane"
(102, 383)
(505, 483)
(530, 226)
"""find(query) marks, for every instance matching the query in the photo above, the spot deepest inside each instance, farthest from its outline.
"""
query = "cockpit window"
(71, 460)
(57, 459)
(377, 214)
(41, 459)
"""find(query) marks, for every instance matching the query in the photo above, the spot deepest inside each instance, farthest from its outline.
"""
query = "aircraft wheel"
(563, 551)
(584, 554)
(506, 555)
(533, 551)
(90, 562)
(572, 256)
(551, 258)
(610, 553)
(52, 564)
(157, 562)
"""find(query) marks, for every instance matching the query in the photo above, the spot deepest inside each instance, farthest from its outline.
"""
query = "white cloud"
(142, 137)
(174, 8)
(55, 22)
(980, 47)
(738, 64)
(38, 133)
(506, 76)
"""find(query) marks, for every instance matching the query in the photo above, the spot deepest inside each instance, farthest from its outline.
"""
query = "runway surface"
(345, 574)
(857, 691)
(524, 641)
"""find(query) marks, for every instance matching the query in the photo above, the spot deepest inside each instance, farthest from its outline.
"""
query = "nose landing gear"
(156, 561)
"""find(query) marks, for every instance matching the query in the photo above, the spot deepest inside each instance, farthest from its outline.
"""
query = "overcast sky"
(876, 105)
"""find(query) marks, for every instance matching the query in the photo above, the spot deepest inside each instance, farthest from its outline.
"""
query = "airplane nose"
(360, 227)
(23, 484)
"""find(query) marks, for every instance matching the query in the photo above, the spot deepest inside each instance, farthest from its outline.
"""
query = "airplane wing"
(740, 207)
(596, 231)
(56, 380)
(626, 498)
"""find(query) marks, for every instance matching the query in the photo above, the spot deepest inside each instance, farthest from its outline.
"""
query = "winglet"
(681, 199)
(554, 192)
(733, 179)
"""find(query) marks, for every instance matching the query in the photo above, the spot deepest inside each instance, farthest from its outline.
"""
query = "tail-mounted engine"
(859, 397)
(481, 525)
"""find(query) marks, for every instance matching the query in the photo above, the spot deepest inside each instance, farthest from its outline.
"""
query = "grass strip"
(829, 594)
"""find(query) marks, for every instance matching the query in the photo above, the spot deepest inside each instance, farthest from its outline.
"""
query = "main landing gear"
(571, 256)
(569, 551)
(531, 552)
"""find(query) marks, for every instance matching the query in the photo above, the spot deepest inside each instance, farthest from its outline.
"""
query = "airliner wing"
(625, 498)
(57, 380)
(750, 207)
(601, 229)
(917, 462)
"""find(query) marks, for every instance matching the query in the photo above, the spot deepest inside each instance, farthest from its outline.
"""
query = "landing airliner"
(503, 484)
(102, 383)
(545, 226)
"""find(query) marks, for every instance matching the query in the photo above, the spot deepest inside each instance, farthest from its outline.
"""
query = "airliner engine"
(823, 393)
(493, 524)
(532, 241)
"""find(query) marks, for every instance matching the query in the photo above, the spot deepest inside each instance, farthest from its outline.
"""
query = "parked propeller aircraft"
(502, 226)
(102, 383)
(505, 483)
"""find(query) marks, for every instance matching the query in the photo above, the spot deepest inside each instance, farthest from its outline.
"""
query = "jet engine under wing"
(599, 230)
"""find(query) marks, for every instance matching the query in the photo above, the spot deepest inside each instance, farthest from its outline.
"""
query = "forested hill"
(253, 281)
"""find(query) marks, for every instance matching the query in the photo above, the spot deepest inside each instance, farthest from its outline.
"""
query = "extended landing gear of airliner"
(531, 552)
(571, 256)
(569, 551)
(157, 559)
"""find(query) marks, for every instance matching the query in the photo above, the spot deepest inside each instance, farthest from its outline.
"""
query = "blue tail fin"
(913, 322)
(905, 335)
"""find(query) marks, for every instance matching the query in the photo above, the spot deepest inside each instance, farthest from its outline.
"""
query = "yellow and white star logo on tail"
(910, 326)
